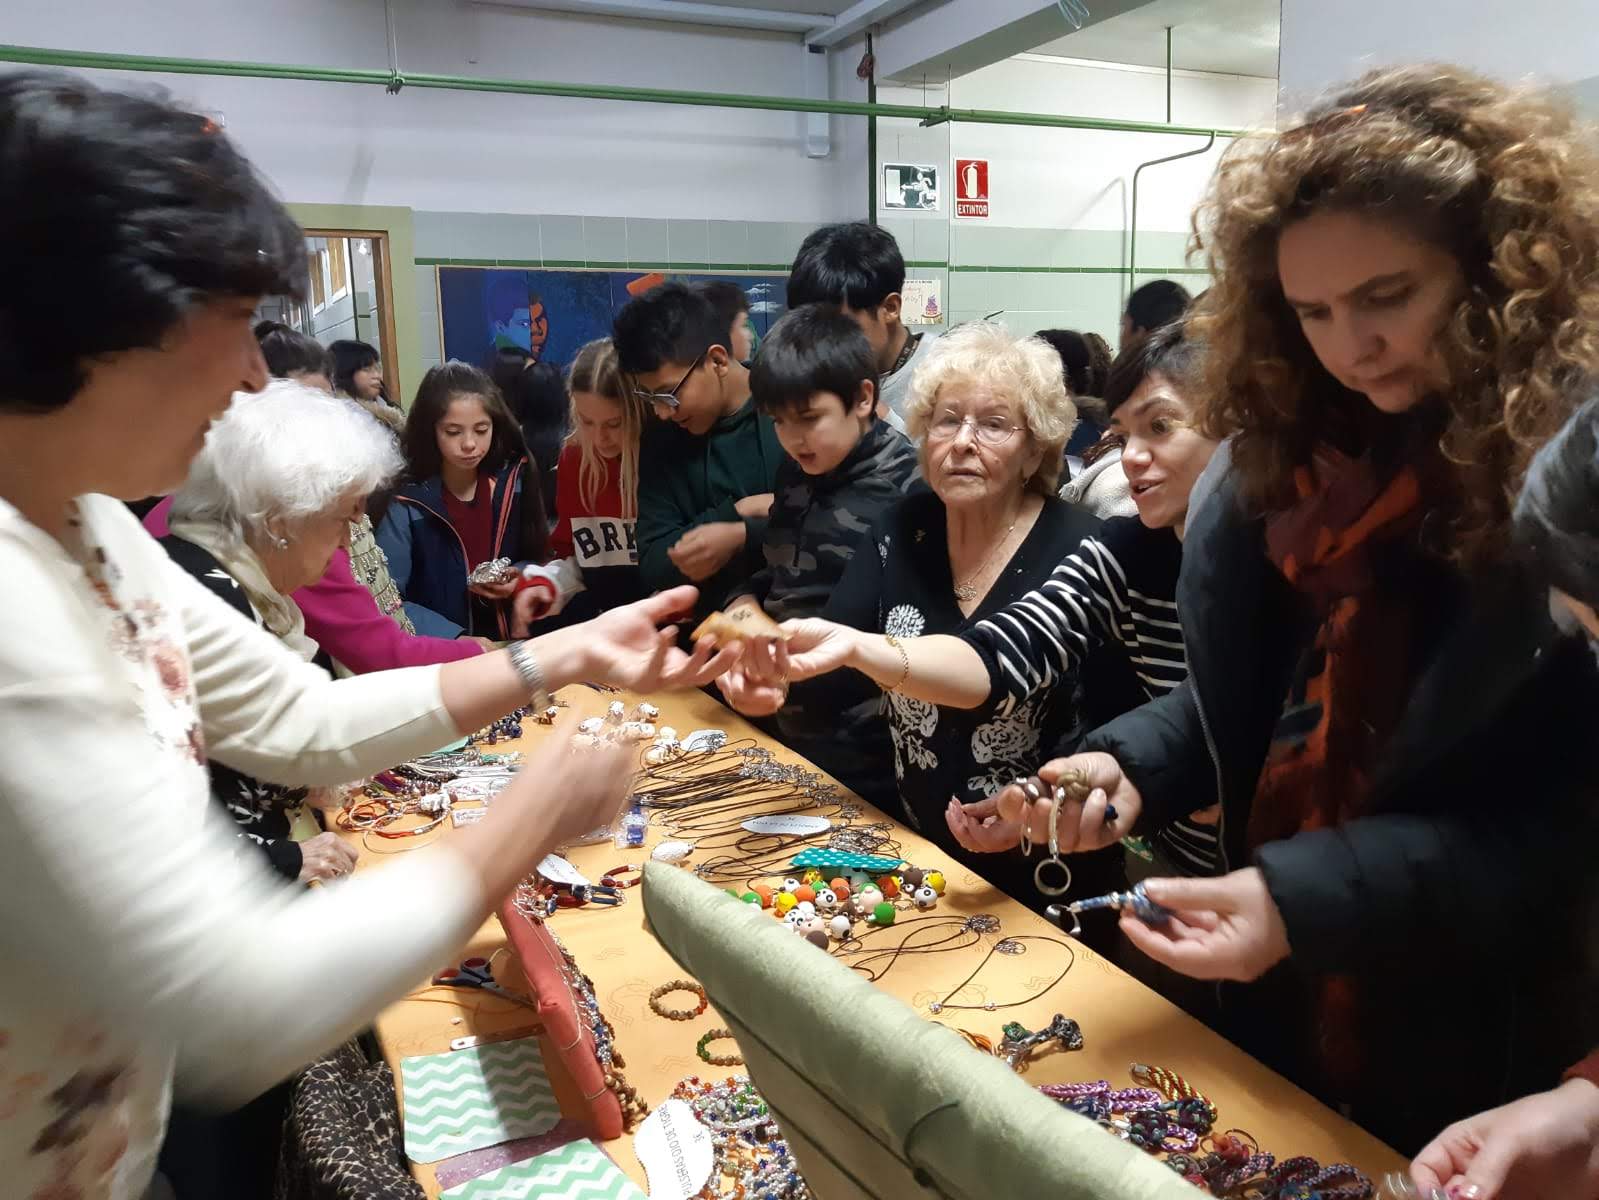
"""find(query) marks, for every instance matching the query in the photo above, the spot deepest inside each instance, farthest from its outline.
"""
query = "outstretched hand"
(746, 693)
(1226, 928)
(979, 828)
(1083, 824)
(815, 647)
(1540, 1146)
(629, 647)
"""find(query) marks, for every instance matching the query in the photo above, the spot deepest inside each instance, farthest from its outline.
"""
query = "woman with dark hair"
(1085, 357)
(1403, 310)
(536, 395)
(358, 374)
(469, 495)
(121, 676)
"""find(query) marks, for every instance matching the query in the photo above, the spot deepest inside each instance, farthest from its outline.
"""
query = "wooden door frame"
(394, 270)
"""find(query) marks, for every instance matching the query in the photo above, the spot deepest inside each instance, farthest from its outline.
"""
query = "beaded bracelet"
(678, 1014)
(717, 1060)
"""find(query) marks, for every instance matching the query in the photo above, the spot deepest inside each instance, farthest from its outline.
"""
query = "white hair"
(1024, 370)
(285, 454)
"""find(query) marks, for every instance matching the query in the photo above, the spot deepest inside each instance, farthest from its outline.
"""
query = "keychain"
(1136, 902)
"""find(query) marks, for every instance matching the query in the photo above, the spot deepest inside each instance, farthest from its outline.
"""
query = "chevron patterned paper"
(469, 1099)
(578, 1171)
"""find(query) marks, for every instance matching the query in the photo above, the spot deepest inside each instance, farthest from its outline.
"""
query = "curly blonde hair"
(1503, 180)
(1025, 370)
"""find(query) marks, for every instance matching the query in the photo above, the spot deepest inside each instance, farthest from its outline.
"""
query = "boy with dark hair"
(858, 267)
(1157, 303)
(733, 303)
(817, 377)
(708, 465)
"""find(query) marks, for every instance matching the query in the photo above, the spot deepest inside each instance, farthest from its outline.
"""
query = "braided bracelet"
(717, 1060)
(678, 1014)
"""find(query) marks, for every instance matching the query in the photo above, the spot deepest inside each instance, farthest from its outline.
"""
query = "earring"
(283, 543)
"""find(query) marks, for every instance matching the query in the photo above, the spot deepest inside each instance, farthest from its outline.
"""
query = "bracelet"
(625, 876)
(717, 1060)
(904, 658)
(679, 1014)
(530, 673)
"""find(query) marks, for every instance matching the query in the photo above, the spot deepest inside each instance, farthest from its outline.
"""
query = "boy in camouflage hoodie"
(816, 377)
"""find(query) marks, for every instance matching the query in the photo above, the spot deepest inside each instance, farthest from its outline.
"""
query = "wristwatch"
(531, 674)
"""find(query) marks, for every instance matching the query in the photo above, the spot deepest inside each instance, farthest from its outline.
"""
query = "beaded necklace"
(753, 1161)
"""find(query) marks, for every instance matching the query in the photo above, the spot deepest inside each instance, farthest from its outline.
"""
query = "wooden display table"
(1122, 1021)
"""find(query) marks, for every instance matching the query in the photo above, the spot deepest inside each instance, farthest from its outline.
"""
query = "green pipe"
(1132, 237)
(871, 136)
(394, 81)
(1168, 74)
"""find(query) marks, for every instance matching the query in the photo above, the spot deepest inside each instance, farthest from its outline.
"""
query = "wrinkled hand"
(325, 856)
(979, 827)
(706, 549)
(1081, 824)
(528, 606)
(749, 695)
(1226, 928)
(815, 647)
(1539, 1147)
(625, 648)
(494, 591)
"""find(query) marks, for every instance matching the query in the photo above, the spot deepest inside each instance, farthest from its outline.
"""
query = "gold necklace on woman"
(967, 592)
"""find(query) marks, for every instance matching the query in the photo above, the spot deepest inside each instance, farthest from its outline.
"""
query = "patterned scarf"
(278, 613)
(1350, 688)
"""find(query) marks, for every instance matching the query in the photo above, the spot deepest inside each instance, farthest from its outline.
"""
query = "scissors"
(475, 973)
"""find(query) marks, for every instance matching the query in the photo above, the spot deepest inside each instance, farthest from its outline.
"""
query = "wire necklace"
(1010, 945)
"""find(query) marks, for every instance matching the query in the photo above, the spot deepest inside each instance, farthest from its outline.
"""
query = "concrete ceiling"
(1233, 37)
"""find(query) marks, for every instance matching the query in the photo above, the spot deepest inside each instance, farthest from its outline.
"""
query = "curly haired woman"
(1406, 303)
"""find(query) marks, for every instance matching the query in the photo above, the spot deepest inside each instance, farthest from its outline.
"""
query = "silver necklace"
(967, 592)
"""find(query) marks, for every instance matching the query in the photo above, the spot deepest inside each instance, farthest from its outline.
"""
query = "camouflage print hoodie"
(817, 524)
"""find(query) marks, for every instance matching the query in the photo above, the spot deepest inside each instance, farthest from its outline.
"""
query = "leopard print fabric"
(342, 1140)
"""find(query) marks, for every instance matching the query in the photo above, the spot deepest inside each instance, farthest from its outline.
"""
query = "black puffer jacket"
(1455, 903)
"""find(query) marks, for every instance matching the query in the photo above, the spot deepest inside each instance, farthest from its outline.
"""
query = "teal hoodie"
(686, 481)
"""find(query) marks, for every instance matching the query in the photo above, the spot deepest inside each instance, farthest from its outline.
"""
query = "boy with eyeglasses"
(708, 464)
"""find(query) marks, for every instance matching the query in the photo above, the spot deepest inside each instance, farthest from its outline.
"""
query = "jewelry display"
(1019, 944)
(753, 1161)
(1019, 1043)
(678, 1014)
(717, 1060)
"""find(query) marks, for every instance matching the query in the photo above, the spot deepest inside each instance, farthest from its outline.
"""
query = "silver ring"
(1049, 889)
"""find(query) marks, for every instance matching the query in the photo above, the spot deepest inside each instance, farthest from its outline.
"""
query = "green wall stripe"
(778, 268)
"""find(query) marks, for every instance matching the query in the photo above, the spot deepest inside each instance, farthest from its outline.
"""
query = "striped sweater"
(1117, 590)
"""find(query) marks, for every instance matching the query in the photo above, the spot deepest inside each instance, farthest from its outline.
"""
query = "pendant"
(965, 592)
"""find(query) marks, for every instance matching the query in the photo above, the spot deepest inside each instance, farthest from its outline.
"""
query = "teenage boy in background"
(1156, 304)
(816, 375)
(708, 465)
(858, 267)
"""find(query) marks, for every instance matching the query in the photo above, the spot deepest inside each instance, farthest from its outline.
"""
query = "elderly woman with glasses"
(990, 413)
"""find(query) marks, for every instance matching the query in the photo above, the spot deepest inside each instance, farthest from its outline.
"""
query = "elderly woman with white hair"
(266, 504)
(989, 413)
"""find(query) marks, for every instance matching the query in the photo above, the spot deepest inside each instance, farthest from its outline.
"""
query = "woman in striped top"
(1116, 591)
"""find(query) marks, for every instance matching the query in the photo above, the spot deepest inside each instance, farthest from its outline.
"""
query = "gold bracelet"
(904, 658)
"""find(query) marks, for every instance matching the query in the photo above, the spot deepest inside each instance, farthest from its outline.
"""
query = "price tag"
(557, 870)
(675, 1150)
(788, 824)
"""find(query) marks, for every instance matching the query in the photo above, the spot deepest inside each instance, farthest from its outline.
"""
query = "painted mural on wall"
(551, 314)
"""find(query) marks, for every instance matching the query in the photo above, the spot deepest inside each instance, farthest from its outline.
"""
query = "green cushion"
(874, 1100)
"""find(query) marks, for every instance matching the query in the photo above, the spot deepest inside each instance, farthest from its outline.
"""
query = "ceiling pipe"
(680, 12)
(88, 60)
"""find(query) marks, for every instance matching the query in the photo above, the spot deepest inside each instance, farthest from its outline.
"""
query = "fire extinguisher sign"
(971, 187)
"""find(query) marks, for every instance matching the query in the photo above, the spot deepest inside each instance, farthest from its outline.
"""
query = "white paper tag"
(675, 1150)
(787, 824)
(705, 739)
(557, 870)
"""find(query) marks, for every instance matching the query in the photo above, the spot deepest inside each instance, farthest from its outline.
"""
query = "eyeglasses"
(991, 431)
(668, 399)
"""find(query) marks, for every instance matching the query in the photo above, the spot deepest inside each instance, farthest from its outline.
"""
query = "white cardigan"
(131, 934)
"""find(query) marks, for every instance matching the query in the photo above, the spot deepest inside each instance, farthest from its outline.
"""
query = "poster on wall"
(552, 314)
(921, 302)
(971, 187)
(910, 186)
